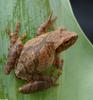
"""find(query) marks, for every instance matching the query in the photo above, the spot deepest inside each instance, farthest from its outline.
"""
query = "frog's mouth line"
(66, 44)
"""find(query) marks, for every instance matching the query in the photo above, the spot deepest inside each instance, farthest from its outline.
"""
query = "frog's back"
(35, 41)
(36, 55)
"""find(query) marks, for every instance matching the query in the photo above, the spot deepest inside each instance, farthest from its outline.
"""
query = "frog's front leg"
(37, 85)
(44, 26)
(58, 63)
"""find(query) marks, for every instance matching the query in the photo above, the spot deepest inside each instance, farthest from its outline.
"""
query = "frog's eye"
(67, 42)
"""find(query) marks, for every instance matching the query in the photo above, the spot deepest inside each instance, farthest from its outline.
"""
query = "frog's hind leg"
(36, 86)
(44, 26)
(13, 56)
(15, 49)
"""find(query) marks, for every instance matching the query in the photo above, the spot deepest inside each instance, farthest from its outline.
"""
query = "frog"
(35, 56)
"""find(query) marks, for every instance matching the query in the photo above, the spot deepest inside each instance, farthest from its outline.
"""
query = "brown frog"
(37, 55)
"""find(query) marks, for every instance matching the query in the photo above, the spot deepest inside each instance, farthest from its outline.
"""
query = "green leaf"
(76, 82)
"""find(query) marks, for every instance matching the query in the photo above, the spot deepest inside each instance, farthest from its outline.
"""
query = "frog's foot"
(24, 35)
(44, 26)
(13, 35)
(36, 86)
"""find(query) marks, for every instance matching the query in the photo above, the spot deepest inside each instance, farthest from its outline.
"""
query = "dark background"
(83, 10)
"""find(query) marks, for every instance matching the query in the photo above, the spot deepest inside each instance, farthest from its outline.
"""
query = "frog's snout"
(70, 40)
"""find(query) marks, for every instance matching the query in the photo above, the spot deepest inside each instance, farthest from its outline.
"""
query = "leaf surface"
(76, 82)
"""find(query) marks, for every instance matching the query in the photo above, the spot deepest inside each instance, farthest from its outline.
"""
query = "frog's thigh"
(36, 86)
(13, 56)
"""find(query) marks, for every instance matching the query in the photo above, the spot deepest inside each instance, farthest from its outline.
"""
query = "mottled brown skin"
(37, 55)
